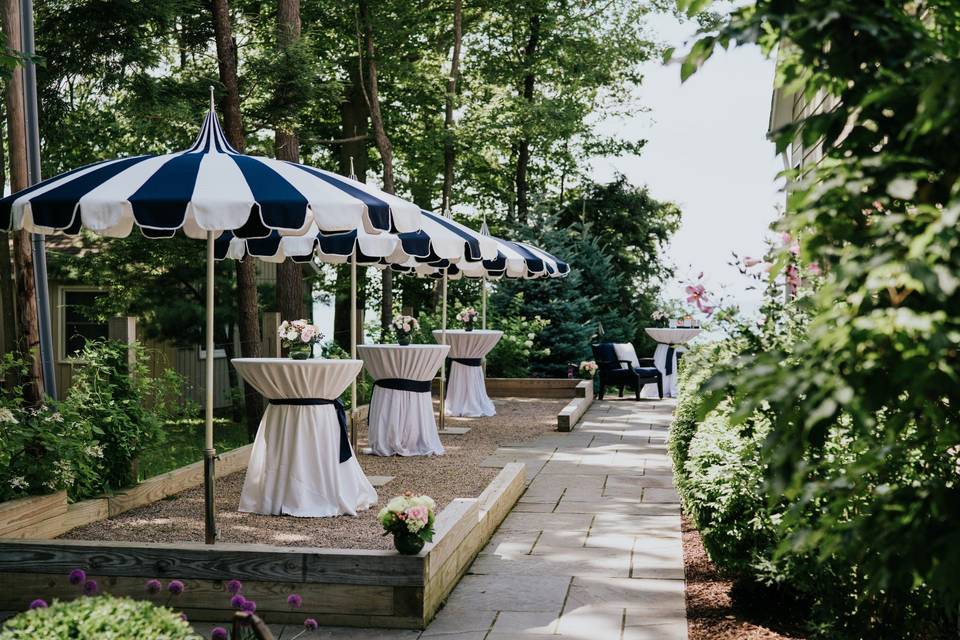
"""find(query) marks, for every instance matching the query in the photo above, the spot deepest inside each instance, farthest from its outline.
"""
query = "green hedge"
(98, 618)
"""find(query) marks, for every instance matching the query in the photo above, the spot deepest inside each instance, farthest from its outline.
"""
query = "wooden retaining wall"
(339, 586)
(526, 387)
(570, 415)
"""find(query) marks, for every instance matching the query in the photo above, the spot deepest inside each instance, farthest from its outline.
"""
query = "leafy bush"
(723, 492)
(43, 449)
(97, 619)
(126, 407)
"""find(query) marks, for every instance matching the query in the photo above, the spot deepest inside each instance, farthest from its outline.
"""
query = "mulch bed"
(713, 613)
(457, 474)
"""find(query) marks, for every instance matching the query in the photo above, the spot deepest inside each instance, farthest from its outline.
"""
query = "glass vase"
(408, 544)
(301, 351)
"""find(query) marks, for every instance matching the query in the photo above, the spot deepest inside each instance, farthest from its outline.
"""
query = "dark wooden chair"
(612, 371)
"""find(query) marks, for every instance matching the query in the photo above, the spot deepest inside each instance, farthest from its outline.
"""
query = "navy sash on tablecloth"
(402, 384)
(469, 362)
(670, 354)
(345, 451)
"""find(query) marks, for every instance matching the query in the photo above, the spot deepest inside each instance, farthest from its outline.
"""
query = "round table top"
(277, 378)
(672, 335)
(469, 344)
(407, 362)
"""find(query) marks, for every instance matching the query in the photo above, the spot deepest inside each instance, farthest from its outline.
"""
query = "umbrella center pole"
(443, 368)
(353, 346)
(209, 453)
(483, 317)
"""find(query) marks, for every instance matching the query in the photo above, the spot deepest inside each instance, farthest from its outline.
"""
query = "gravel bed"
(457, 474)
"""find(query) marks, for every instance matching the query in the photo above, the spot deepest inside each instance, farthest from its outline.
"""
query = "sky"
(706, 151)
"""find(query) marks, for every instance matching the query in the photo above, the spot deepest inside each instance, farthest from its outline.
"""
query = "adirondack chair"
(619, 366)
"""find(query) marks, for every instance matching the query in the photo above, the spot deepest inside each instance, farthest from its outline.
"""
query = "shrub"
(126, 407)
(98, 618)
(43, 449)
(724, 493)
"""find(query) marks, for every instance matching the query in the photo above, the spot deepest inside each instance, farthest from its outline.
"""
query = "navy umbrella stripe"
(207, 187)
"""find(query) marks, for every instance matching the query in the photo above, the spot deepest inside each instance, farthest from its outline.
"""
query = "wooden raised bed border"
(570, 415)
(339, 586)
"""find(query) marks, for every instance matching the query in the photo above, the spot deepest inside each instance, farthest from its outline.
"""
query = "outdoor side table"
(466, 391)
(670, 343)
(302, 463)
(401, 421)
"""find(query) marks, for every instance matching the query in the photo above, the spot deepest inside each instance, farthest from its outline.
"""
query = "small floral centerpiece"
(588, 369)
(298, 338)
(404, 327)
(661, 318)
(410, 519)
(468, 317)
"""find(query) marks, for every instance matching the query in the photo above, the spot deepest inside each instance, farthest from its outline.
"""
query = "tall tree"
(384, 146)
(448, 146)
(248, 312)
(523, 144)
(287, 147)
(8, 321)
(29, 326)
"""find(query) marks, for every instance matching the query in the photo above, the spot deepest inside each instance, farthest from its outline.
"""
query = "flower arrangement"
(404, 327)
(660, 317)
(468, 317)
(410, 519)
(588, 369)
(298, 338)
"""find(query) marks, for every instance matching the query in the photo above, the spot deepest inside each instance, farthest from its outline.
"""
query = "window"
(79, 324)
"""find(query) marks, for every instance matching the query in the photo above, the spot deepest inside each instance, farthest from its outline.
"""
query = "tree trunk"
(353, 155)
(26, 295)
(287, 147)
(523, 145)
(248, 312)
(8, 322)
(449, 153)
(383, 146)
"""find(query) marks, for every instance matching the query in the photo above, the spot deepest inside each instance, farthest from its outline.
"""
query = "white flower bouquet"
(468, 317)
(404, 327)
(298, 338)
(588, 369)
(410, 519)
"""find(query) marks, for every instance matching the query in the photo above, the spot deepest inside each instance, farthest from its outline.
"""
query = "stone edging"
(570, 415)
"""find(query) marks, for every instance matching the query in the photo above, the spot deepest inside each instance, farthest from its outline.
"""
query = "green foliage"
(183, 443)
(126, 407)
(877, 369)
(521, 343)
(96, 619)
(44, 449)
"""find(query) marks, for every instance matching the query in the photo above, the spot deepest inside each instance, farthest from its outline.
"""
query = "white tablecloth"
(466, 392)
(401, 422)
(667, 337)
(295, 466)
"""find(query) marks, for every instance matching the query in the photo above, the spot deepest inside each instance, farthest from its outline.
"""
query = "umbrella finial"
(447, 213)
(353, 173)
(212, 108)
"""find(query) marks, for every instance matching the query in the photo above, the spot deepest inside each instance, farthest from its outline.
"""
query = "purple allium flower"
(310, 624)
(153, 586)
(175, 587)
(218, 633)
(237, 601)
(39, 603)
(77, 576)
(234, 586)
(90, 588)
(295, 601)
(249, 606)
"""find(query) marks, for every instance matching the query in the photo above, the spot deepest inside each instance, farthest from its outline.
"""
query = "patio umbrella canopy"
(204, 191)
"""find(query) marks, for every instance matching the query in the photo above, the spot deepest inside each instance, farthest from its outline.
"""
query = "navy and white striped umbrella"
(440, 242)
(208, 187)
(514, 260)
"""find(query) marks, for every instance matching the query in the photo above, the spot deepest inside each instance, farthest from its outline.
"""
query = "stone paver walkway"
(592, 551)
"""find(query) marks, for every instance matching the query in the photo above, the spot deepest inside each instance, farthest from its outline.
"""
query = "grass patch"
(183, 445)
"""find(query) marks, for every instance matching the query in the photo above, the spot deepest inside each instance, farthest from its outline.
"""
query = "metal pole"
(32, 126)
(353, 345)
(443, 340)
(209, 453)
(483, 316)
